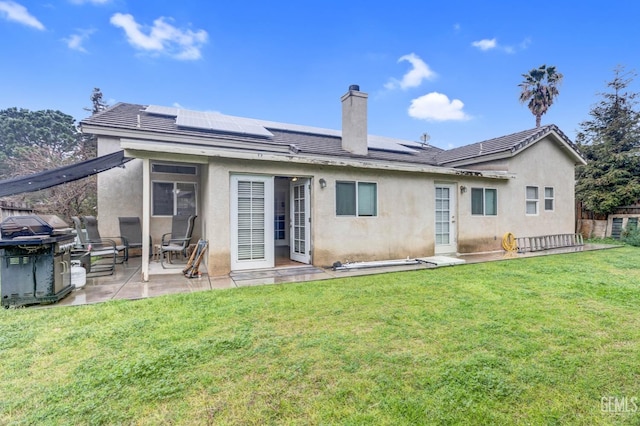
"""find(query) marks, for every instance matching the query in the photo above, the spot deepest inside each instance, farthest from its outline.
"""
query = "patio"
(127, 282)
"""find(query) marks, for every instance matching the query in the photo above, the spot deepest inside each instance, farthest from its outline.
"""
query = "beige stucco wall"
(120, 193)
(403, 211)
(404, 226)
(543, 164)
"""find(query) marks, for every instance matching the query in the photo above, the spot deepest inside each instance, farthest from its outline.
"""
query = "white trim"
(553, 199)
(452, 246)
(508, 153)
(528, 200)
(357, 206)
(268, 261)
(142, 148)
(174, 164)
(484, 201)
(304, 257)
(175, 196)
(146, 213)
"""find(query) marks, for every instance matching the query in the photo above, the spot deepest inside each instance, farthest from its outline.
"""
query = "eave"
(142, 148)
(517, 149)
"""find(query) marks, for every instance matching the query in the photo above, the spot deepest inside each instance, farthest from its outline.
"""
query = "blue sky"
(450, 69)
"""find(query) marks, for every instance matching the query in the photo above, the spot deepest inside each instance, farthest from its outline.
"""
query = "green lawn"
(533, 341)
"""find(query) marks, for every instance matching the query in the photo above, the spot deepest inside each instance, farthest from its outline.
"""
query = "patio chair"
(131, 233)
(102, 254)
(177, 241)
(91, 225)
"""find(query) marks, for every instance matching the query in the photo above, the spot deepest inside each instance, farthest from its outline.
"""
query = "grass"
(531, 341)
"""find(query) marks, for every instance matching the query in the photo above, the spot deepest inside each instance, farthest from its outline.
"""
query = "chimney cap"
(354, 88)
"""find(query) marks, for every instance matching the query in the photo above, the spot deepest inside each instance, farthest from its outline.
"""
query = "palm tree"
(540, 96)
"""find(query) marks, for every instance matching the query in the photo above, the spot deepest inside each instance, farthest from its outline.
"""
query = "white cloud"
(162, 37)
(490, 44)
(525, 43)
(413, 78)
(76, 41)
(435, 106)
(13, 11)
(485, 44)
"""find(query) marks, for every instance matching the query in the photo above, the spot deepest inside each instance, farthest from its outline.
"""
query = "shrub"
(632, 236)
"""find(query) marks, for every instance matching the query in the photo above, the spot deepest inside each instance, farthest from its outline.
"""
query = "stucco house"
(264, 190)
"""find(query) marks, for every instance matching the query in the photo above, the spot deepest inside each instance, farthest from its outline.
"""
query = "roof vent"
(354, 87)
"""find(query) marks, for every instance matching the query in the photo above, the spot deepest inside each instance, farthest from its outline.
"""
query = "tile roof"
(306, 140)
(311, 140)
(509, 143)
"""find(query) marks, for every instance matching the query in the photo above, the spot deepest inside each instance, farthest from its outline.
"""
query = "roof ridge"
(510, 142)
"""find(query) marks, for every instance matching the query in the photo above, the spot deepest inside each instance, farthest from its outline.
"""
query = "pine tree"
(610, 141)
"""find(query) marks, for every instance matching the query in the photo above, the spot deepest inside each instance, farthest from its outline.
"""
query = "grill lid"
(32, 225)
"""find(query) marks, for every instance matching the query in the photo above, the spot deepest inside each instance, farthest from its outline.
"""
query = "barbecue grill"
(35, 260)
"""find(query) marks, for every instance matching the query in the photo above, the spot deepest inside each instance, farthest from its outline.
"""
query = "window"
(174, 169)
(532, 200)
(548, 199)
(484, 201)
(173, 198)
(360, 197)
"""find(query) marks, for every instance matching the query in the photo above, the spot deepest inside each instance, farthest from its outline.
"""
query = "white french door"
(445, 208)
(252, 243)
(300, 226)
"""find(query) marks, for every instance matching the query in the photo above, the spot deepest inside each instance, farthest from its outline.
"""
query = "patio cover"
(49, 178)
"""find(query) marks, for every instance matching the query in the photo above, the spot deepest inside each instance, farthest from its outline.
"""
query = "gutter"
(137, 146)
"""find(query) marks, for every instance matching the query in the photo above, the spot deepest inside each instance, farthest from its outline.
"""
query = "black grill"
(35, 256)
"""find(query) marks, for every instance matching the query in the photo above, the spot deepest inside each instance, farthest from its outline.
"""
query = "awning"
(49, 178)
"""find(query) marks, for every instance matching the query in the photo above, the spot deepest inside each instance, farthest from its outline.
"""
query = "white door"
(446, 238)
(252, 243)
(300, 224)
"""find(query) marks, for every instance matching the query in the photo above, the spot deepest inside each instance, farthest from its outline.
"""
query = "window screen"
(490, 202)
(548, 198)
(484, 201)
(367, 199)
(173, 198)
(477, 201)
(356, 199)
(532, 200)
(345, 198)
(173, 168)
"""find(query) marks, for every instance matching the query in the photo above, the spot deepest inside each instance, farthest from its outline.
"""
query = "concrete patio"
(127, 282)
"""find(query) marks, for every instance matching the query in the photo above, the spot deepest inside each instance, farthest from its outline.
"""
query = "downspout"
(146, 216)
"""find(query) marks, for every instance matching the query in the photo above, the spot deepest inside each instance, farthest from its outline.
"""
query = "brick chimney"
(354, 121)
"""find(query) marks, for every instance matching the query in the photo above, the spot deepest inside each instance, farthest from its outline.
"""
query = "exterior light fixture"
(323, 183)
(463, 189)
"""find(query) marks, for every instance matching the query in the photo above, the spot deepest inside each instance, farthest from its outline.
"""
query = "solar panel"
(220, 123)
(388, 144)
(414, 144)
(300, 128)
(374, 142)
(193, 122)
(213, 121)
(162, 110)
